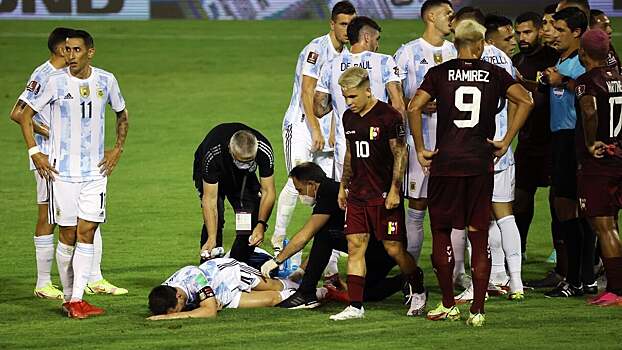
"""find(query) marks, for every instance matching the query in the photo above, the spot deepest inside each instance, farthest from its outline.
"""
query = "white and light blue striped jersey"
(38, 79)
(222, 275)
(499, 58)
(381, 69)
(77, 121)
(414, 59)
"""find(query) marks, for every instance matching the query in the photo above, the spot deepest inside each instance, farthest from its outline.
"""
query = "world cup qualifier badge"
(392, 227)
(374, 133)
(33, 86)
(312, 58)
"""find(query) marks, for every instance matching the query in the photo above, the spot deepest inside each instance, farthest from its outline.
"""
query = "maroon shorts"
(600, 195)
(385, 225)
(460, 201)
(532, 170)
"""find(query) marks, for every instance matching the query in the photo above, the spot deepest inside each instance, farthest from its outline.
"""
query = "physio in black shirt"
(225, 165)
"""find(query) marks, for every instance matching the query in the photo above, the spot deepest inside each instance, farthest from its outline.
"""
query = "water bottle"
(285, 269)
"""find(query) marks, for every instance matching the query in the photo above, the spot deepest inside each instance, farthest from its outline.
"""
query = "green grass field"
(181, 78)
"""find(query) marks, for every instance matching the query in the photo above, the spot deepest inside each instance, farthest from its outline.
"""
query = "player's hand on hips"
(342, 198)
(44, 168)
(500, 148)
(256, 238)
(111, 158)
(392, 200)
(318, 140)
(598, 149)
(267, 267)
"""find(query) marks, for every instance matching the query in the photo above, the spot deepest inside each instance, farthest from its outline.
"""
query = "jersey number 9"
(472, 107)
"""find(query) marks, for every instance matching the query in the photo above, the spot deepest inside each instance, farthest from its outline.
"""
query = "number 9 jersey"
(467, 94)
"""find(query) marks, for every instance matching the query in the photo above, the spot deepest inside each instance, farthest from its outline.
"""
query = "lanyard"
(242, 191)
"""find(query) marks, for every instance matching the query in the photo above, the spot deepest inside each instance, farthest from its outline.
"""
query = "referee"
(225, 164)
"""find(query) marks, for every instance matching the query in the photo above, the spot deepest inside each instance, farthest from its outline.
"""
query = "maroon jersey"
(605, 84)
(468, 94)
(371, 158)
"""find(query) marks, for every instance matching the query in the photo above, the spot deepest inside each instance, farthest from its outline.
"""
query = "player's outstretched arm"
(394, 88)
(346, 175)
(111, 157)
(415, 108)
(321, 103)
(590, 126)
(207, 308)
(210, 214)
(266, 204)
(39, 159)
(517, 94)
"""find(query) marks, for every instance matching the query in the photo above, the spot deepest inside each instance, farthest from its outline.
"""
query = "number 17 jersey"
(467, 94)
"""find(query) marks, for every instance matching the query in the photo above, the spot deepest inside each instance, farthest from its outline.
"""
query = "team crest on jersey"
(374, 133)
(85, 91)
(312, 58)
(33, 86)
(580, 90)
(100, 92)
(438, 57)
(391, 227)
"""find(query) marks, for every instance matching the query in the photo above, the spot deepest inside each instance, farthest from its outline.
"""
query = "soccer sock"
(284, 211)
(558, 235)
(588, 249)
(286, 293)
(288, 284)
(510, 239)
(414, 232)
(82, 262)
(415, 280)
(480, 268)
(332, 268)
(458, 242)
(573, 242)
(613, 271)
(497, 271)
(64, 257)
(44, 252)
(443, 264)
(356, 287)
(96, 271)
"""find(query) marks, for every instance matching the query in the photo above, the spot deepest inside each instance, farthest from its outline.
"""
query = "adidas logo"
(423, 61)
(68, 97)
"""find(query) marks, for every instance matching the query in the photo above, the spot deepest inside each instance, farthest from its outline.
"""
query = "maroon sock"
(613, 271)
(443, 263)
(480, 268)
(356, 286)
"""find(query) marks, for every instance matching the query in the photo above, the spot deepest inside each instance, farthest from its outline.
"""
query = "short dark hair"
(469, 12)
(57, 36)
(308, 171)
(358, 23)
(84, 35)
(574, 18)
(593, 14)
(530, 16)
(342, 7)
(494, 22)
(583, 5)
(430, 4)
(551, 9)
(161, 299)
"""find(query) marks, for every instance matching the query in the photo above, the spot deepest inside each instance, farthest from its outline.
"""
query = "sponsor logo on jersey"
(374, 133)
(558, 92)
(33, 86)
(423, 61)
(85, 91)
(68, 96)
(312, 58)
(391, 227)
(350, 132)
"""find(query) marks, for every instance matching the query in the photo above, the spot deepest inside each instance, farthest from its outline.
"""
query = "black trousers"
(240, 250)
(377, 285)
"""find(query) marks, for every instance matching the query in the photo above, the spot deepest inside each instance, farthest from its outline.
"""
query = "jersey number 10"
(613, 101)
(362, 149)
(472, 107)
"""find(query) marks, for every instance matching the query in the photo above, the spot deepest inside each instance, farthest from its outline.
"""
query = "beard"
(526, 47)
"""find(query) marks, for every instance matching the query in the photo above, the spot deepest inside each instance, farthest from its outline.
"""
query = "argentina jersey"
(563, 112)
(38, 79)
(499, 58)
(414, 59)
(77, 121)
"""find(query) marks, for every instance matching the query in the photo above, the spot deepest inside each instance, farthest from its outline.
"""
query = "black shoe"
(299, 301)
(551, 280)
(564, 290)
(591, 289)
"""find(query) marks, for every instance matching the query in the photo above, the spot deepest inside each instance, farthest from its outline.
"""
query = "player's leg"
(379, 264)
(97, 283)
(266, 298)
(416, 189)
(357, 245)
(63, 210)
(523, 212)
(83, 257)
(458, 242)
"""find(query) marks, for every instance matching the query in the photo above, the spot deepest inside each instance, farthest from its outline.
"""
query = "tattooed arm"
(321, 104)
(398, 148)
(111, 157)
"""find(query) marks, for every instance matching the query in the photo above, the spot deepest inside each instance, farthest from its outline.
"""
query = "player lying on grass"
(201, 291)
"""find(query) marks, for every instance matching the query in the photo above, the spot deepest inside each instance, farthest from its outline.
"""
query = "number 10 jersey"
(467, 94)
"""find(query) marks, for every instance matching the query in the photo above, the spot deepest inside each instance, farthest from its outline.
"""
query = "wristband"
(265, 224)
(33, 150)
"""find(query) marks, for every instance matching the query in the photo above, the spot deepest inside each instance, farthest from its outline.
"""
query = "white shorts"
(73, 200)
(503, 191)
(43, 195)
(249, 279)
(297, 147)
(415, 183)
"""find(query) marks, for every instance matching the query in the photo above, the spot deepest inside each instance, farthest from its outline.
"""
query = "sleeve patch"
(399, 130)
(33, 86)
(580, 90)
(205, 293)
(312, 58)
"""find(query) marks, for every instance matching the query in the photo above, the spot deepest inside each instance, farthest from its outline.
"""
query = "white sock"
(510, 238)
(286, 293)
(414, 231)
(98, 247)
(458, 243)
(284, 211)
(289, 284)
(82, 263)
(64, 257)
(496, 252)
(44, 252)
(332, 268)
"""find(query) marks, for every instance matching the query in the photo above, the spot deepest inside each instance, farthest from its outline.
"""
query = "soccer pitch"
(181, 78)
